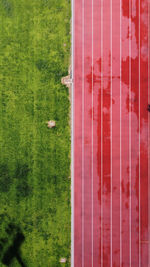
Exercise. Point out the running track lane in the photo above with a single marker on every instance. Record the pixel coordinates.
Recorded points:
(111, 91)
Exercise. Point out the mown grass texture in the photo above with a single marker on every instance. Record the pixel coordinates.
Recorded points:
(35, 160)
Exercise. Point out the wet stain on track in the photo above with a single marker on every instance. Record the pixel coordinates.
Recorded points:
(111, 90)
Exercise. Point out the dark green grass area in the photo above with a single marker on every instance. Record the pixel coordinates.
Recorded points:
(35, 160)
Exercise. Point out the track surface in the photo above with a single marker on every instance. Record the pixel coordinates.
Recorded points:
(111, 91)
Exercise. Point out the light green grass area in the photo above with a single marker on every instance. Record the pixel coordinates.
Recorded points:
(35, 160)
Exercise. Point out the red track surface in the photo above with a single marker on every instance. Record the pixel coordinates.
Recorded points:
(111, 133)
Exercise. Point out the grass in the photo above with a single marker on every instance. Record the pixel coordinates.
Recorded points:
(35, 160)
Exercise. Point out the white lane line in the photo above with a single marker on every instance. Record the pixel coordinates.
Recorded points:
(92, 133)
(139, 136)
(130, 110)
(101, 133)
(72, 138)
(111, 139)
(148, 137)
(82, 133)
(120, 134)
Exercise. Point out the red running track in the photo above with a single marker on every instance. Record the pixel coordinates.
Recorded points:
(111, 91)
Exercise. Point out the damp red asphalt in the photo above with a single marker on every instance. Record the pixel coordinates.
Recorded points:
(111, 135)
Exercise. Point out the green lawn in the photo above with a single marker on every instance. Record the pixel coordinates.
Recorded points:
(35, 160)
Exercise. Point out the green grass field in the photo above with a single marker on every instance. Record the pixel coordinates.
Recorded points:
(35, 160)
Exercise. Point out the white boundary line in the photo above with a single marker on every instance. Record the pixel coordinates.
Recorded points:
(82, 132)
(72, 137)
(120, 133)
(139, 137)
(130, 160)
(148, 136)
(101, 133)
(92, 133)
(111, 264)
